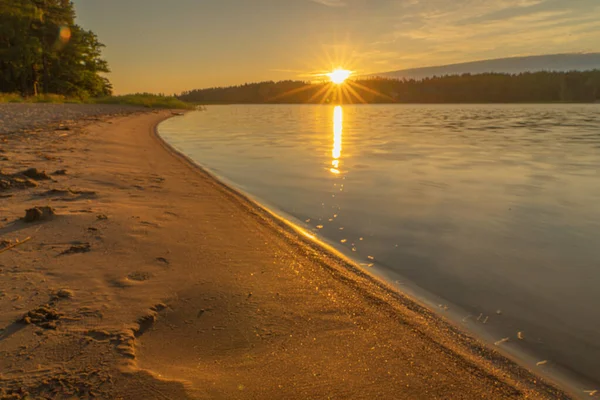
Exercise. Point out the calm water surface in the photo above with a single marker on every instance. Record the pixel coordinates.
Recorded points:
(492, 212)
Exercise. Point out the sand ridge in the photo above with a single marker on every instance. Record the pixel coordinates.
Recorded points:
(149, 279)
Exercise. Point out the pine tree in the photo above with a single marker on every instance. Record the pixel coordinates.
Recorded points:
(42, 50)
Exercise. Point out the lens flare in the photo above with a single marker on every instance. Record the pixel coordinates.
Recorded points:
(65, 34)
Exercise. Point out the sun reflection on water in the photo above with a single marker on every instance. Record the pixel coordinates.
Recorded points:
(338, 127)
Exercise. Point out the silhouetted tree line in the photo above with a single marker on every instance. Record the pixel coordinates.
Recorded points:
(42, 50)
(263, 92)
(530, 87)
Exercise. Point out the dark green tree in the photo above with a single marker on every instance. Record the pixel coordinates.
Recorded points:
(42, 50)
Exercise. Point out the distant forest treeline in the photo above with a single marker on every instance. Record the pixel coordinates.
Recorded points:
(43, 51)
(534, 87)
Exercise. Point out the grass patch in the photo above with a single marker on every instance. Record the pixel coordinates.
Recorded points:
(11, 98)
(146, 100)
(42, 98)
(140, 100)
(47, 98)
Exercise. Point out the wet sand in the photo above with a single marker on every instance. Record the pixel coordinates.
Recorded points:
(148, 279)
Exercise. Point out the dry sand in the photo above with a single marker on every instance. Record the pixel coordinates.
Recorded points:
(154, 281)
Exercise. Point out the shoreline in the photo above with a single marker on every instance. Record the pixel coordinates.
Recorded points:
(247, 302)
(416, 299)
(427, 302)
(301, 237)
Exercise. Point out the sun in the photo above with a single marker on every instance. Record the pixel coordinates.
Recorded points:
(339, 76)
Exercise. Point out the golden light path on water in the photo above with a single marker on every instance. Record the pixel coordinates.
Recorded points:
(338, 128)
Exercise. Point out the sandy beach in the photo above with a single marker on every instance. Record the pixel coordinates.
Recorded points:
(136, 275)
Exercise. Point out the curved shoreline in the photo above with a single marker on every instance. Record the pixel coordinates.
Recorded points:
(162, 282)
(373, 287)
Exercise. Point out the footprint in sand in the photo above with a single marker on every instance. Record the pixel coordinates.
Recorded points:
(77, 249)
(95, 234)
(157, 182)
(68, 194)
(53, 193)
(130, 280)
(100, 336)
(121, 283)
(152, 224)
(139, 276)
(162, 260)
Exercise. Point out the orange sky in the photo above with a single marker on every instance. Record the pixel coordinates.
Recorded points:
(171, 46)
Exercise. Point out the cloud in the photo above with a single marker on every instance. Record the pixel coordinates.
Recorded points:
(435, 32)
(330, 3)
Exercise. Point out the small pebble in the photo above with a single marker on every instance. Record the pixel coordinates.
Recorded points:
(65, 294)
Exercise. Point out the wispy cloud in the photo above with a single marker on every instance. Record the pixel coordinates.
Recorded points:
(331, 3)
(433, 33)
